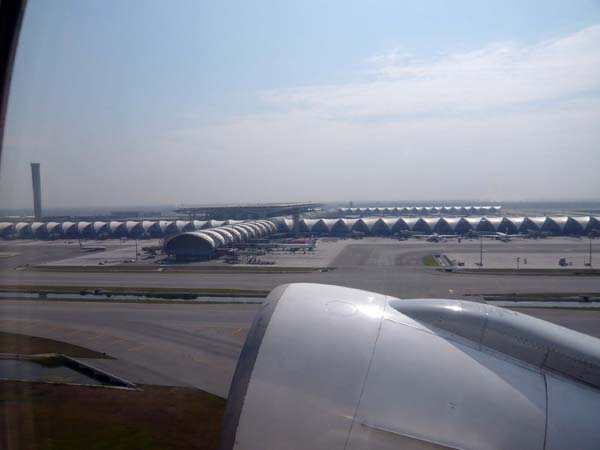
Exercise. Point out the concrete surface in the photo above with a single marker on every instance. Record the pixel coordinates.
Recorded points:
(532, 254)
(116, 252)
(198, 345)
(177, 345)
(376, 264)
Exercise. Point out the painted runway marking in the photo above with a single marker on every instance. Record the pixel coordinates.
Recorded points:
(73, 332)
(94, 337)
(238, 331)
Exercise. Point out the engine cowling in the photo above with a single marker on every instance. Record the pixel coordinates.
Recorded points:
(326, 367)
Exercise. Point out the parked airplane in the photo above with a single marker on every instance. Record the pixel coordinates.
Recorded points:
(534, 234)
(310, 244)
(91, 248)
(504, 237)
(152, 249)
(435, 237)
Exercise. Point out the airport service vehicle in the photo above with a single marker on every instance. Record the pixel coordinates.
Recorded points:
(562, 262)
(327, 367)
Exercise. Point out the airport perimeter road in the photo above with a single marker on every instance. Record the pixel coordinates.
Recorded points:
(170, 344)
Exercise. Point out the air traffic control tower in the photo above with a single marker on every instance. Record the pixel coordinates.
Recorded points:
(37, 190)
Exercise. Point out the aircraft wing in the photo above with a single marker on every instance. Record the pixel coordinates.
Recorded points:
(327, 367)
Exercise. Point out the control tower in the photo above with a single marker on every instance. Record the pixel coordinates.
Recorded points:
(37, 190)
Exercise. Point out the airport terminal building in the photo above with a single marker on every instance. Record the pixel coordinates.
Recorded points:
(447, 210)
(552, 225)
(204, 244)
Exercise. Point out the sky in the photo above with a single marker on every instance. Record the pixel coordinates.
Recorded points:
(150, 102)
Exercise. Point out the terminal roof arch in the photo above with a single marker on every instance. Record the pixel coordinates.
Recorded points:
(250, 231)
(237, 235)
(583, 222)
(200, 224)
(54, 228)
(495, 222)
(117, 227)
(452, 222)
(270, 225)
(258, 232)
(167, 226)
(227, 236)
(38, 229)
(84, 227)
(242, 231)
(150, 226)
(184, 225)
(191, 243)
(132, 226)
(518, 222)
(264, 230)
(23, 229)
(560, 221)
(539, 222)
(411, 222)
(340, 227)
(217, 238)
(6, 227)
(369, 222)
(100, 227)
(473, 222)
(69, 227)
(308, 224)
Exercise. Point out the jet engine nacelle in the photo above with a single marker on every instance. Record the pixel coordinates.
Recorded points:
(329, 368)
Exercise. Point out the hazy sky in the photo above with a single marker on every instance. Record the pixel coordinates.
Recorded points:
(153, 102)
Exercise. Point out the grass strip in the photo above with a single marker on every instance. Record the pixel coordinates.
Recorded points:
(144, 301)
(129, 268)
(572, 308)
(429, 260)
(68, 289)
(31, 345)
(40, 416)
(527, 272)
